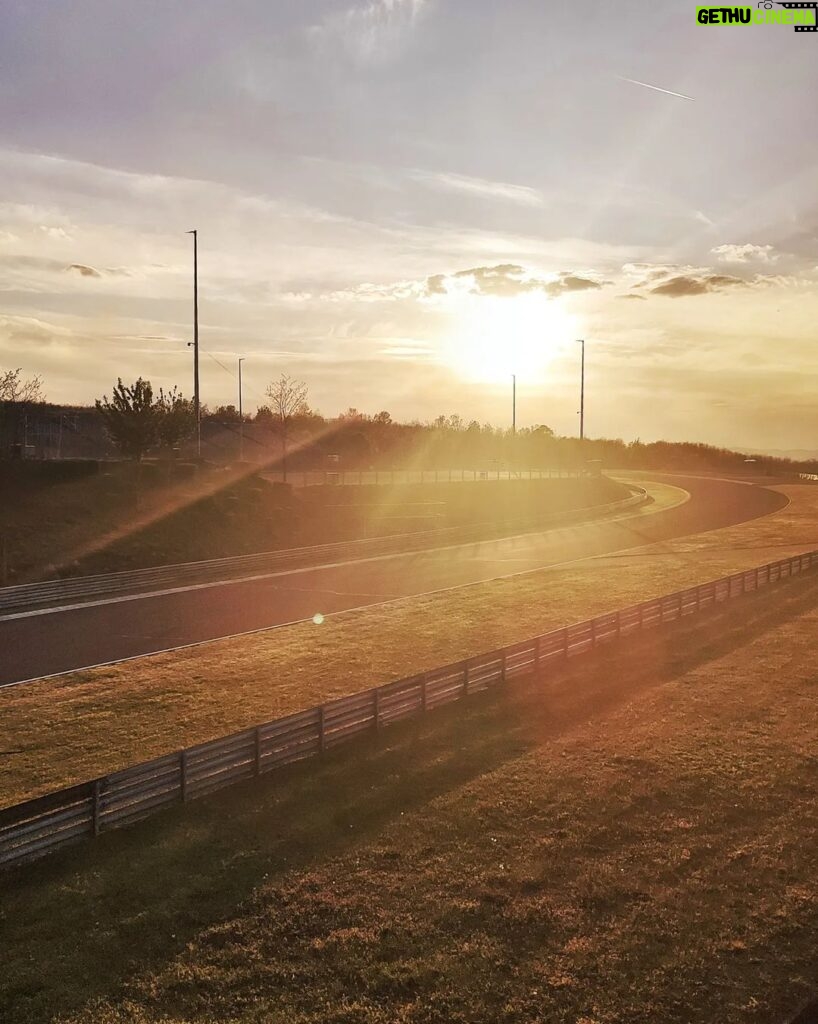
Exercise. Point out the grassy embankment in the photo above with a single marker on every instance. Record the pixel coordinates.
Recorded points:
(630, 841)
(85, 724)
(129, 517)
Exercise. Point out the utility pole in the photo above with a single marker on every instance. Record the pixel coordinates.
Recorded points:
(196, 404)
(241, 417)
(582, 393)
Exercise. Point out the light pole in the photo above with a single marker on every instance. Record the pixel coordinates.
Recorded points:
(513, 419)
(241, 417)
(581, 341)
(196, 406)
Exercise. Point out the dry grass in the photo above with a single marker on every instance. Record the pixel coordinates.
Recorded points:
(633, 841)
(85, 724)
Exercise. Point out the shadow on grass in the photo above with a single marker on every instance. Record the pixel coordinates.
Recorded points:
(78, 925)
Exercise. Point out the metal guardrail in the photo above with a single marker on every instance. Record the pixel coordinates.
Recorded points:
(38, 827)
(34, 595)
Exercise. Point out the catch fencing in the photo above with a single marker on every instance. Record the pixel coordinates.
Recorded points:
(215, 570)
(45, 824)
(368, 477)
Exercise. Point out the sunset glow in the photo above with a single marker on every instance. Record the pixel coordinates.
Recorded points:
(494, 337)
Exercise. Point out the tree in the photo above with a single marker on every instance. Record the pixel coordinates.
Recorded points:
(288, 399)
(226, 414)
(17, 396)
(14, 389)
(131, 418)
(176, 417)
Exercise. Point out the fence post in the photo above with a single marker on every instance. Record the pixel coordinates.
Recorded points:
(95, 806)
(183, 774)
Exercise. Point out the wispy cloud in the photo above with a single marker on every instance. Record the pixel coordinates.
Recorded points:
(479, 187)
(655, 88)
(369, 30)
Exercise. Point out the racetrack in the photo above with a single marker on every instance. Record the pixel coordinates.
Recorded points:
(59, 640)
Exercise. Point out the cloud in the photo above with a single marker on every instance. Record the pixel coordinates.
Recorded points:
(746, 253)
(52, 232)
(507, 280)
(368, 31)
(684, 285)
(27, 330)
(630, 295)
(570, 283)
(502, 190)
(83, 270)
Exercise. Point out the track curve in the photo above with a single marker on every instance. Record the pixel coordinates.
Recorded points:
(62, 640)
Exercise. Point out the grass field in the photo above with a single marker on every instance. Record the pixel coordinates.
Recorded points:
(128, 517)
(630, 841)
(82, 725)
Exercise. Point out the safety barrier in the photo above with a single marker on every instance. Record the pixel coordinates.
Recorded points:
(43, 825)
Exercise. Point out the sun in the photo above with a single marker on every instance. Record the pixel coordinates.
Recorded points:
(493, 337)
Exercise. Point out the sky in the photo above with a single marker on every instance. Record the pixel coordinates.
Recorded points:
(405, 202)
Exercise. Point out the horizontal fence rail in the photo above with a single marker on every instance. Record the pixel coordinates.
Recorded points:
(215, 570)
(45, 824)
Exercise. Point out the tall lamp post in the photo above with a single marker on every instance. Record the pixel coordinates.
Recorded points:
(513, 420)
(196, 405)
(581, 341)
(241, 417)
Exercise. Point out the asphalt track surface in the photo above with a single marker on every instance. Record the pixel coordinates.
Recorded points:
(60, 640)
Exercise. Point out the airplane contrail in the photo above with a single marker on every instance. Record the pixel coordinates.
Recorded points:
(647, 85)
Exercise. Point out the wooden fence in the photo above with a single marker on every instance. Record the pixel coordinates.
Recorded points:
(40, 826)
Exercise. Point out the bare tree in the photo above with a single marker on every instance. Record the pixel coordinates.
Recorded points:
(17, 396)
(288, 399)
(14, 389)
